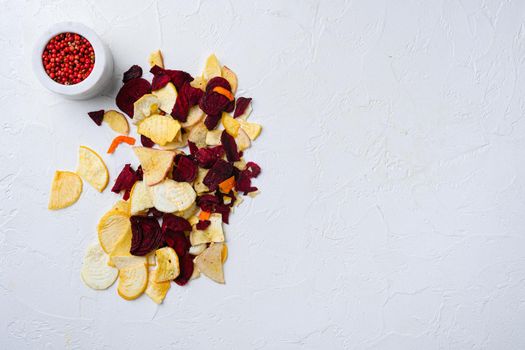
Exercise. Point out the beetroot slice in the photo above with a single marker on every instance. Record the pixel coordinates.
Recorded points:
(146, 235)
(187, 97)
(178, 241)
(244, 180)
(132, 73)
(213, 103)
(175, 223)
(185, 169)
(140, 173)
(146, 141)
(97, 116)
(206, 157)
(241, 106)
(230, 147)
(218, 81)
(230, 107)
(186, 269)
(211, 121)
(125, 181)
(130, 92)
(159, 81)
(219, 172)
(203, 224)
(193, 148)
(177, 77)
(157, 214)
(253, 169)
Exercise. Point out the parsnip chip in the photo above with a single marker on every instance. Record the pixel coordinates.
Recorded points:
(128, 261)
(157, 290)
(167, 96)
(140, 198)
(195, 115)
(230, 124)
(65, 190)
(116, 121)
(212, 68)
(96, 273)
(197, 134)
(92, 168)
(161, 129)
(170, 196)
(132, 282)
(155, 59)
(229, 75)
(111, 228)
(155, 163)
(167, 264)
(242, 140)
(198, 183)
(144, 107)
(253, 130)
(209, 262)
(212, 233)
(199, 83)
(213, 137)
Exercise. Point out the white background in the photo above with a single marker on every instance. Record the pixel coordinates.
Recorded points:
(392, 206)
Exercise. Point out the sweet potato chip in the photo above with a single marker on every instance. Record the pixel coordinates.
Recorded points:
(65, 190)
(130, 92)
(155, 163)
(92, 168)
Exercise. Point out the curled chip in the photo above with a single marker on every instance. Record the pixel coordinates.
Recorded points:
(130, 92)
(65, 190)
(167, 264)
(185, 169)
(144, 107)
(213, 233)
(167, 96)
(157, 291)
(132, 73)
(243, 108)
(116, 121)
(140, 198)
(186, 269)
(230, 124)
(230, 147)
(209, 262)
(92, 168)
(132, 282)
(161, 129)
(212, 68)
(95, 272)
(170, 196)
(111, 228)
(198, 184)
(155, 163)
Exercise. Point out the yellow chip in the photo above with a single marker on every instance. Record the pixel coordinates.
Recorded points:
(229, 75)
(188, 213)
(253, 130)
(157, 290)
(197, 134)
(150, 259)
(128, 261)
(140, 198)
(199, 83)
(167, 264)
(224, 253)
(144, 107)
(155, 59)
(132, 282)
(161, 129)
(170, 196)
(122, 207)
(65, 190)
(111, 228)
(212, 68)
(213, 137)
(96, 273)
(209, 262)
(213, 233)
(122, 248)
(116, 121)
(230, 124)
(195, 115)
(155, 163)
(180, 141)
(167, 96)
(92, 168)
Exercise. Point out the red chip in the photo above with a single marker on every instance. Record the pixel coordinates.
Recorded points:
(213, 103)
(177, 77)
(206, 157)
(178, 241)
(241, 106)
(230, 107)
(187, 97)
(219, 172)
(155, 213)
(175, 223)
(146, 235)
(97, 116)
(230, 147)
(186, 269)
(125, 181)
(211, 121)
(132, 73)
(146, 141)
(159, 81)
(218, 81)
(203, 224)
(244, 181)
(130, 92)
(185, 169)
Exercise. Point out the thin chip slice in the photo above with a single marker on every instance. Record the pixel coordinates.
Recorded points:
(144, 107)
(180, 141)
(161, 129)
(224, 253)
(155, 163)
(189, 212)
(230, 124)
(198, 183)
(209, 262)
(212, 68)
(92, 168)
(198, 249)
(121, 249)
(111, 228)
(65, 190)
(197, 135)
(140, 198)
(155, 59)
(167, 96)
(229, 75)
(132, 282)
(195, 115)
(242, 140)
(213, 137)
(116, 121)
(170, 196)
(96, 273)
(122, 207)
(128, 261)
(167, 264)
(213, 233)
(253, 130)
(157, 291)
(199, 83)
(150, 259)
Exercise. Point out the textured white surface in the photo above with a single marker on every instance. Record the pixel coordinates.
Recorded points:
(392, 211)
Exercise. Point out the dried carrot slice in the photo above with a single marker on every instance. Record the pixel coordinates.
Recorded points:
(204, 215)
(227, 185)
(224, 92)
(118, 140)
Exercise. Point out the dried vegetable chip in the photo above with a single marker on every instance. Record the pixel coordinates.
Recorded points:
(65, 190)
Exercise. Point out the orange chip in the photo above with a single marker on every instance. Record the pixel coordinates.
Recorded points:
(118, 140)
(224, 92)
(227, 185)
(204, 215)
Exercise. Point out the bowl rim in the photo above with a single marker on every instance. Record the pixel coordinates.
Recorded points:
(100, 58)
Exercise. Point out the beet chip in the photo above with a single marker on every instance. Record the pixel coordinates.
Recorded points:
(242, 105)
(230, 107)
(130, 92)
(140, 173)
(175, 223)
(186, 269)
(97, 116)
(187, 97)
(193, 148)
(230, 147)
(219, 172)
(146, 141)
(177, 77)
(132, 73)
(125, 181)
(146, 235)
(206, 157)
(253, 169)
(211, 121)
(178, 241)
(224, 210)
(203, 224)
(213, 103)
(244, 181)
(218, 81)
(185, 169)
(157, 214)
(159, 81)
